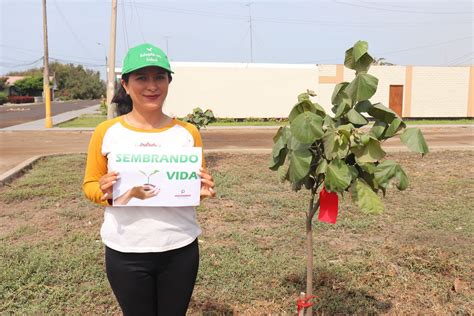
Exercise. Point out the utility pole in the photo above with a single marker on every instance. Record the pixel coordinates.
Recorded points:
(111, 62)
(48, 122)
(251, 32)
(167, 53)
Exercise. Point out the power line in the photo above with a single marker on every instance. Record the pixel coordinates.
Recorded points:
(457, 59)
(138, 21)
(333, 23)
(400, 10)
(125, 33)
(78, 40)
(424, 46)
(24, 64)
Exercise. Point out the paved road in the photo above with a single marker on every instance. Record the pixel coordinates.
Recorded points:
(17, 114)
(18, 146)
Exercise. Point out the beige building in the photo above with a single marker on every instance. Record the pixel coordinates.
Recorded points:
(271, 90)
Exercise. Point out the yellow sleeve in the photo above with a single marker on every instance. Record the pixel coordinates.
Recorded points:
(96, 166)
(196, 136)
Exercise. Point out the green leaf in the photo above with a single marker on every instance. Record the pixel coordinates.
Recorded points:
(382, 113)
(396, 125)
(362, 59)
(414, 140)
(349, 60)
(371, 152)
(363, 87)
(319, 110)
(363, 106)
(307, 127)
(303, 96)
(283, 172)
(356, 118)
(363, 64)
(300, 161)
(341, 109)
(336, 142)
(388, 170)
(367, 200)
(357, 58)
(304, 106)
(364, 138)
(360, 49)
(328, 121)
(279, 149)
(385, 171)
(354, 172)
(402, 179)
(329, 142)
(338, 176)
(378, 129)
(368, 167)
(338, 94)
(322, 166)
(294, 144)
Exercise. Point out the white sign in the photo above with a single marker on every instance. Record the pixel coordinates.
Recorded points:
(157, 176)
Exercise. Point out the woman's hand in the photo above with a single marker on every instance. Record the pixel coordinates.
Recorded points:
(144, 192)
(207, 184)
(141, 192)
(106, 183)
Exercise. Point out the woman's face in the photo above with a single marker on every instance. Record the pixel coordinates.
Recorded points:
(148, 88)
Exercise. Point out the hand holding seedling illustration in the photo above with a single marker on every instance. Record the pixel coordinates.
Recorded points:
(141, 192)
(148, 176)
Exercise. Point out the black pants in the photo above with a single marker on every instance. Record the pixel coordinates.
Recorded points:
(157, 283)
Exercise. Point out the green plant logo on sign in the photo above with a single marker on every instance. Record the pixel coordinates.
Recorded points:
(148, 176)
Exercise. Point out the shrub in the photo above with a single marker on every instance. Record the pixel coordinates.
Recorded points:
(20, 99)
(199, 118)
(3, 98)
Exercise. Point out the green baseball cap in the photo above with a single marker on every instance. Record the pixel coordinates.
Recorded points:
(145, 55)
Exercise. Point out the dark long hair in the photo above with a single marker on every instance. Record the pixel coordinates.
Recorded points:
(123, 100)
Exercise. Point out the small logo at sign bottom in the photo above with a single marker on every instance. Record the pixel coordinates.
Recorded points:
(182, 194)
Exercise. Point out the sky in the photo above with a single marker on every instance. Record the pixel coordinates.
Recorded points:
(417, 32)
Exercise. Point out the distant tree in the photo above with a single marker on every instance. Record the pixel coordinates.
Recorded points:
(29, 86)
(381, 62)
(73, 82)
(76, 82)
(3, 83)
(33, 72)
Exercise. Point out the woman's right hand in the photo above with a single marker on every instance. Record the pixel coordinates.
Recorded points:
(106, 183)
(141, 192)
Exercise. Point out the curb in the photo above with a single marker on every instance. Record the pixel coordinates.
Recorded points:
(7, 177)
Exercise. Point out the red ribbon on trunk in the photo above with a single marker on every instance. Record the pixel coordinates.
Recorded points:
(328, 206)
(304, 302)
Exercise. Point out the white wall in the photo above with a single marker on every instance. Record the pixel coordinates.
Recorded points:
(238, 90)
(271, 90)
(440, 91)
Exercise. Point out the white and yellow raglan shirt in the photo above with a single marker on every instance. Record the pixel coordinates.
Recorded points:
(132, 228)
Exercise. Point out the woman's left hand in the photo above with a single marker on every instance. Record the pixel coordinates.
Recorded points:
(207, 184)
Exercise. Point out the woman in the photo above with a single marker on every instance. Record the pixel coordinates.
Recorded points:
(151, 253)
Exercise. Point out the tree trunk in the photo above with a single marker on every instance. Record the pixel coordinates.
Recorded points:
(309, 261)
(309, 250)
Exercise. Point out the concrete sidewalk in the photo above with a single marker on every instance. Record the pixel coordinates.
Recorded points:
(38, 125)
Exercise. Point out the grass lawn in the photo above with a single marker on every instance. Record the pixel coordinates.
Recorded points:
(404, 261)
(92, 120)
(86, 120)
